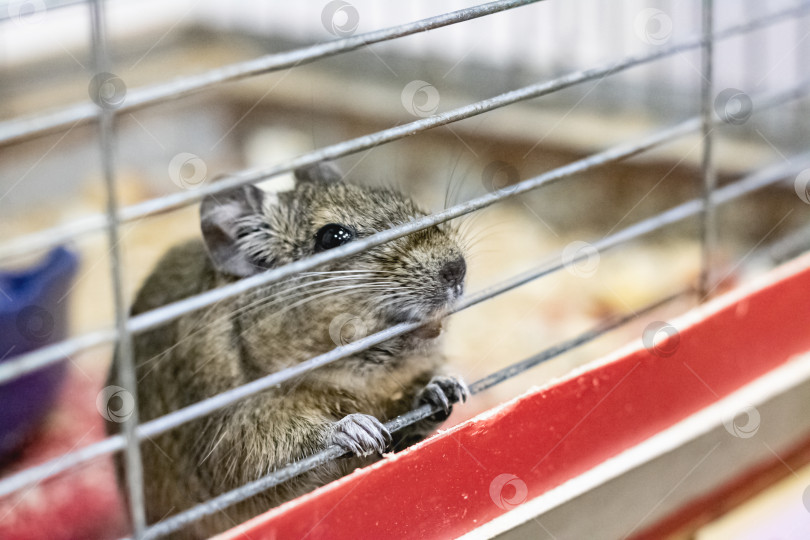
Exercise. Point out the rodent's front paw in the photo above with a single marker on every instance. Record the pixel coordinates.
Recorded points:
(443, 391)
(360, 434)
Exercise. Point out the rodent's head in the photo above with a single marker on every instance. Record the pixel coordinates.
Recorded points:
(247, 231)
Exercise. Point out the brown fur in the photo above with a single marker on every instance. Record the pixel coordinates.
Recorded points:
(238, 340)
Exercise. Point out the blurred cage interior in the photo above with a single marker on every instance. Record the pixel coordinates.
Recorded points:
(47, 181)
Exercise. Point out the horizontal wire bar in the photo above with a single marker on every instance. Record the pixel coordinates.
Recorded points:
(24, 128)
(56, 235)
(517, 368)
(68, 348)
(333, 452)
(29, 362)
(721, 196)
(47, 355)
(159, 425)
(151, 319)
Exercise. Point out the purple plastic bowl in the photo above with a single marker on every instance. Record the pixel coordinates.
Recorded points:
(33, 313)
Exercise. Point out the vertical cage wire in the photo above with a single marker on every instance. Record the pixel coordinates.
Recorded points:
(693, 208)
(709, 177)
(114, 443)
(167, 203)
(703, 208)
(125, 360)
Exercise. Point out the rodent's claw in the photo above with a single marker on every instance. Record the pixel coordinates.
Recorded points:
(443, 391)
(462, 391)
(360, 434)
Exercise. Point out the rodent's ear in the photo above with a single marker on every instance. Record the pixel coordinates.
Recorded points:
(325, 171)
(222, 220)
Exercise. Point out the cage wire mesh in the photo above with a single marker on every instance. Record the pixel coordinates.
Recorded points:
(669, 70)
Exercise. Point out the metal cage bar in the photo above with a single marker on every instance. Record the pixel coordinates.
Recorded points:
(150, 429)
(683, 211)
(24, 128)
(162, 424)
(695, 207)
(73, 115)
(709, 177)
(126, 361)
(52, 353)
(241, 493)
(56, 235)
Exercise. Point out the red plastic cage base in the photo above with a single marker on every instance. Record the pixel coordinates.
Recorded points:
(441, 487)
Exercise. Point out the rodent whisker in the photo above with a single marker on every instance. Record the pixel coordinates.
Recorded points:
(281, 296)
(266, 302)
(238, 339)
(326, 272)
(472, 244)
(329, 291)
(354, 273)
(257, 303)
(468, 224)
(306, 284)
(449, 188)
(468, 221)
(287, 291)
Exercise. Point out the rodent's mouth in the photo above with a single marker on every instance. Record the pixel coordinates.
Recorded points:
(433, 319)
(430, 330)
(430, 308)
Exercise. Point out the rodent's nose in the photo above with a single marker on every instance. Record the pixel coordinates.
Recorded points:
(453, 272)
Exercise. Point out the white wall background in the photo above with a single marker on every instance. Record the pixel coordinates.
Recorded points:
(549, 37)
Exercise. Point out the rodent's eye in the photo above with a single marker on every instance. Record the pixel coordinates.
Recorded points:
(331, 236)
